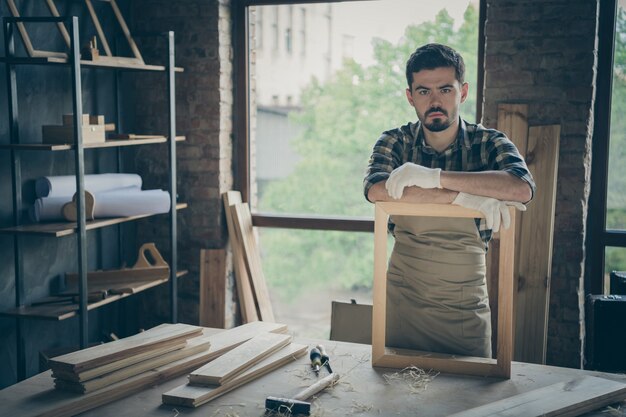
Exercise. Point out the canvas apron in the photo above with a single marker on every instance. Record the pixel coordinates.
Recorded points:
(436, 291)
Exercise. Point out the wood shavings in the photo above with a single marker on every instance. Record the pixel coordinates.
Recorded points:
(618, 411)
(360, 408)
(415, 378)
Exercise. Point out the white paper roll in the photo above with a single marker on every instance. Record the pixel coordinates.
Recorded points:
(125, 202)
(65, 185)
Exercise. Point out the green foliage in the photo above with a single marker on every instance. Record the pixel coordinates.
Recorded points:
(341, 120)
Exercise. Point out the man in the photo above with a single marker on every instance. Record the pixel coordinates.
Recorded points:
(436, 291)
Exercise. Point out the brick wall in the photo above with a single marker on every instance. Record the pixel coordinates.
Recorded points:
(204, 98)
(542, 53)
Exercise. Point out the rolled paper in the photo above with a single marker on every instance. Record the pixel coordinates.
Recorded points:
(65, 185)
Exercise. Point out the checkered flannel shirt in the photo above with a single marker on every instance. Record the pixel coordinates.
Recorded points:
(475, 149)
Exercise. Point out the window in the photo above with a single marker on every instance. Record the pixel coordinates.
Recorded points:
(606, 237)
(301, 160)
(289, 31)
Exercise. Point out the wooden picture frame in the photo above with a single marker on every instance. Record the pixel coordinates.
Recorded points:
(396, 358)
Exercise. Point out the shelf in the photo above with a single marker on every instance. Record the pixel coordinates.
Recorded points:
(68, 228)
(62, 311)
(85, 63)
(112, 143)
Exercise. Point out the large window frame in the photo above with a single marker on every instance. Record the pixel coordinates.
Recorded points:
(598, 237)
(241, 126)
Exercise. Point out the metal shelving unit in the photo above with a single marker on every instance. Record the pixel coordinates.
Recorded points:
(81, 226)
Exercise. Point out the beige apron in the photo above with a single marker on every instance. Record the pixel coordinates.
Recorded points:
(436, 292)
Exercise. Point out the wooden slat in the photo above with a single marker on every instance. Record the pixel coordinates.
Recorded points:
(244, 290)
(193, 346)
(239, 359)
(109, 352)
(194, 396)
(513, 122)
(44, 401)
(109, 143)
(245, 235)
(569, 398)
(114, 366)
(212, 288)
(534, 256)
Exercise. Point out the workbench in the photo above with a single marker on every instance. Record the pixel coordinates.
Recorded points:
(362, 390)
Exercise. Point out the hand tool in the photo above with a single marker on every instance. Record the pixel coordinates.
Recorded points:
(325, 358)
(316, 360)
(297, 404)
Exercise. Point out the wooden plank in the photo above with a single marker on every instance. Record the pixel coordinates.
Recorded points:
(513, 122)
(568, 398)
(114, 366)
(194, 396)
(42, 400)
(534, 257)
(96, 22)
(245, 235)
(239, 359)
(212, 288)
(129, 38)
(192, 347)
(244, 290)
(109, 352)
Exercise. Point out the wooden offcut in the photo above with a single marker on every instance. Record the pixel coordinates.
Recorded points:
(194, 396)
(212, 309)
(564, 399)
(239, 359)
(247, 305)
(400, 359)
(60, 134)
(245, 235)
(110, 352)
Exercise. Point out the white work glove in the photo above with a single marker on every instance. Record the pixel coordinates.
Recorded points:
(493, 209)
(412, 174)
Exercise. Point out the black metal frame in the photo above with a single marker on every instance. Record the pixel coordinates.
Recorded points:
(598, 238)
(241, 129)
(11, 61)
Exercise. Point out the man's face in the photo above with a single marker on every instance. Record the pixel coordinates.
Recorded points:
(436, 96)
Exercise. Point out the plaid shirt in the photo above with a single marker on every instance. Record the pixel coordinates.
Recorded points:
(475, 149)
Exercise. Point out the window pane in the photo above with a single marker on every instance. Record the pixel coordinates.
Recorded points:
(616, 189)
(320, 102)
(615, 260)
(307, 269)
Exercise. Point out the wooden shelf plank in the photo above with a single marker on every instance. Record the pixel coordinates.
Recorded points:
(58, 312)
(86, 63)
(68, 228)
(111, 143)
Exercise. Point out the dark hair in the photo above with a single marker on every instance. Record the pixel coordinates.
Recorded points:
(434, 55)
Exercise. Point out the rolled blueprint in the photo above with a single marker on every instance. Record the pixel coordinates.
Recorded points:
(124, 202)
(65, 185)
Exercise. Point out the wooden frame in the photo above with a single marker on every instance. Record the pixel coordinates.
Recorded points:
(401, 358)
(28, 45)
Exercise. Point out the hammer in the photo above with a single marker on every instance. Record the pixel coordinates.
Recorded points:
(297, 404)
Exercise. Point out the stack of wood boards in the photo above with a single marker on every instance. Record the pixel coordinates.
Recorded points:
(99, 366)
(254, 300)
(252, 359)
(46, 401)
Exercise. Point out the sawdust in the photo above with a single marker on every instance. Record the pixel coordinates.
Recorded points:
(415, 378)
(360, 408)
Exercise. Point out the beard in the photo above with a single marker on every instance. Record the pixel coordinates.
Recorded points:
(437, 124)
